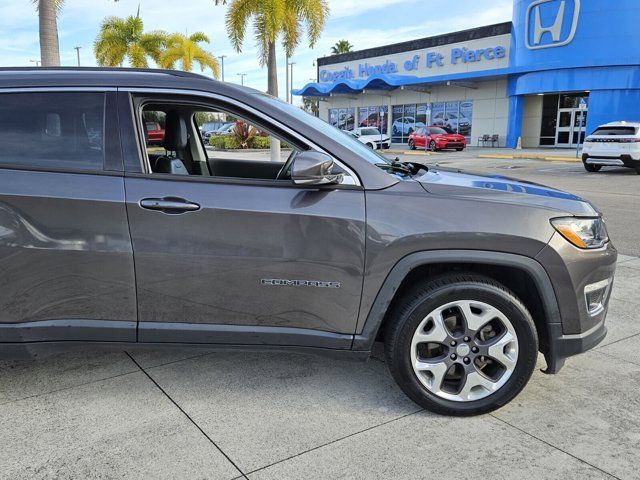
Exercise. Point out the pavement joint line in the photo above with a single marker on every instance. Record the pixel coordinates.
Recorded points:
(555, 447)
(614, 342)
(179, 360)
(336, 441)
(71, 387)
(188, 417)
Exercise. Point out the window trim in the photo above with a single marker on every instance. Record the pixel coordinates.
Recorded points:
(53, 169)
(133, 91)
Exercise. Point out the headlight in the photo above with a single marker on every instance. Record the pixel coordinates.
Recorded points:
(582, 232)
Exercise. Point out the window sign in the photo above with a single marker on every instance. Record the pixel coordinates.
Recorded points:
(397, 118)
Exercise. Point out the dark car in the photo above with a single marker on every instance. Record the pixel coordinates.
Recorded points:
(105, 243)
(435, 139)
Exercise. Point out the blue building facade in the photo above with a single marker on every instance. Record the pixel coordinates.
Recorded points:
(554, 55)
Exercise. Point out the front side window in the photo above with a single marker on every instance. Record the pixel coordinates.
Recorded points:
(52, 130)
(182, 139)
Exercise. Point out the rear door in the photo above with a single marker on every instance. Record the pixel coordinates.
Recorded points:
(65, 250)
(247, 260)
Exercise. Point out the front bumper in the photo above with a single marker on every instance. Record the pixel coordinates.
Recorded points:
(571, 271)
(445, 145)
(563, 346)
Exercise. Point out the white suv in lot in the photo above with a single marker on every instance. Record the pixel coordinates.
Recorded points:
(615, 144)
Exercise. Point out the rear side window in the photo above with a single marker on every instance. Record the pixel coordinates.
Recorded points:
(615, 131)
(60, 130)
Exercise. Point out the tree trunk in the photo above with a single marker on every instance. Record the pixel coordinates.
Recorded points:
(272, 89)
(49, 48)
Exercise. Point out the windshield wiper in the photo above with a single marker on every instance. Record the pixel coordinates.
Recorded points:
(404, 167)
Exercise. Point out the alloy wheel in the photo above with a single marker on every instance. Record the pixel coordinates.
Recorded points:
(464, 351)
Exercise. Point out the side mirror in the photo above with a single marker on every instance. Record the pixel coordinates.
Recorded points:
(314, 168)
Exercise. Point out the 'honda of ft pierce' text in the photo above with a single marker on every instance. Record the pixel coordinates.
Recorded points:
(108, 239)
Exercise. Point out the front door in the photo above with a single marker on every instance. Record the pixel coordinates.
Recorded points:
(231, 254)
(568, 127)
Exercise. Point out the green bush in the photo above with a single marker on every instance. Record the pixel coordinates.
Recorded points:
(261, 142)
(223, 142)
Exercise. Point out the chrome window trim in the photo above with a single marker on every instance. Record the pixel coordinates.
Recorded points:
(253, 111)
(56, 89)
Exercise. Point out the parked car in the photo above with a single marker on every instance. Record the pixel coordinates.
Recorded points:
(436, 138)
(209, 128)
(155, 133)
(405, 126)
(615, 144)
(465, 278)
(225, 129)
(451, 121)
(372, 137)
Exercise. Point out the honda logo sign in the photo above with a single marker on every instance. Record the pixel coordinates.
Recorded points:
(556, 32)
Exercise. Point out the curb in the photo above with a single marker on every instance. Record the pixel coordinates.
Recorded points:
(531, 157)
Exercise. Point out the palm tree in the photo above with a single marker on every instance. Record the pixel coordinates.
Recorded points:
(124, 38)
(341, 46)
(273, 19)
(186, 51)
(48, 25)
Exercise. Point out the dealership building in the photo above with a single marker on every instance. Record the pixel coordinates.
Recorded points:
(531, 79)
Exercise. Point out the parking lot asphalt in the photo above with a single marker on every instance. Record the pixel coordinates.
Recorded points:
(193, 413)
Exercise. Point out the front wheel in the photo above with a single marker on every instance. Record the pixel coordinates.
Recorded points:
(461, 345)
(412, 146)
(432, 146)
(589, 167)
(459, 149)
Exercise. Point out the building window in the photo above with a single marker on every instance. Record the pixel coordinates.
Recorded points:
(454, 117)
(375, 117)
(342, 118)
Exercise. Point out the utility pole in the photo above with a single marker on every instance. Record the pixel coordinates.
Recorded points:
(290, 64)
(222, 57)
(287, 75)
(242, 75)
(77, 49)
(37, 62)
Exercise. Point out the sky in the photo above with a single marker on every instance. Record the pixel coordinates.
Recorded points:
(365, 23)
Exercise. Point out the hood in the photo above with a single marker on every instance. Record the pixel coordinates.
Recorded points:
(497, 188)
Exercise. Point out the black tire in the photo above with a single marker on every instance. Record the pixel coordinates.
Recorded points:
(459, 149)
(592, 168)
(432, 146)
(370, 145)
(412, 146)
(409, 312)
(638, 170)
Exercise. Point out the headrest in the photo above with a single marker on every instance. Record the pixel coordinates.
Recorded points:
(175, 132)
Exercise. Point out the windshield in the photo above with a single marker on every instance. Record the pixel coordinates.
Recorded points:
(438, 131)
(323, 127)
(615, 131)
(370, 131)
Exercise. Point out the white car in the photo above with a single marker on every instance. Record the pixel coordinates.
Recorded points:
(372, 137)
(615, 144)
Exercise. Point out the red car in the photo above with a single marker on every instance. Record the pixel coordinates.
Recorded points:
(155, 133)
(436, 138)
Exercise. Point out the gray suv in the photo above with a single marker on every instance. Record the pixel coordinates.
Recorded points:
(323, 245)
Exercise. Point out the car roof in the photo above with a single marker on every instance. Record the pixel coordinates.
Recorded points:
(16, 77)
(621, 124)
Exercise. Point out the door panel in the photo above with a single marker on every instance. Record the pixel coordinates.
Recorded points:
(229, 262)
(65, 253)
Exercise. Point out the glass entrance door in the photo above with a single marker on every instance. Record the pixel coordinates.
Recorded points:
(568, 127)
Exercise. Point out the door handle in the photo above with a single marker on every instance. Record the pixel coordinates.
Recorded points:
(173, 205)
